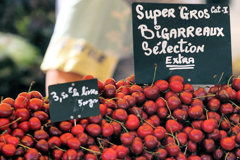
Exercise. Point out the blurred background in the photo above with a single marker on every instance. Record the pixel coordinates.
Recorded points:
(26, 27)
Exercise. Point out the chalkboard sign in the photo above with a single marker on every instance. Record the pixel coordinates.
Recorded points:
(193, 41)
(74, 100)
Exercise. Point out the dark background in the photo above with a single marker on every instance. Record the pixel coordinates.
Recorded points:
(34, 21)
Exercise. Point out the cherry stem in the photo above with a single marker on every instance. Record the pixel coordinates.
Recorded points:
(174, 137)
(219, 123)
(95, 152)
(220, 79)
(11, 122)
(45, 98)
(154, 75)
(185, 151)
(138, 115)
(30, 87)
(226, 156)
(1, 98)
(32, 137)
(123, 86)
(169, 110)
(206, 112)
(24, 146)
(119, 123)
(59, 148)
(45, 125)
(209, 95)
(100, 144)
(228, 83)
(234, 104)
(4, 132)
(105, 141)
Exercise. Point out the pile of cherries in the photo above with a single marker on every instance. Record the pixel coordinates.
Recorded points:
(165, 120)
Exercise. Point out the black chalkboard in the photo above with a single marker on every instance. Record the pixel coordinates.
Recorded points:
(193, 41)
(73, 100)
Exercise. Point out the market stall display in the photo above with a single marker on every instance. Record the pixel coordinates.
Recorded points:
(163, 120)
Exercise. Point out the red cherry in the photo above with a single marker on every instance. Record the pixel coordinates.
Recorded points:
(151, 141)
(27, 141)
(137, 146)
(150, 107)
(182, 138)
(162, 85)
(139, 97)
(107, 130)
(34, 123)
(236, 84)
(42, 145)
(35, 94)
(238, 96)
(226, 108)
(35, 104)
(86, 77)
(176, 86)
(93, 129)
(135, 88)
(188, 87)
(173, 149)
(18, 133)
(209, 125)
(195, 112)
(65, 126)
(9, 101)
(70, 154)
(12, 140)
(109, 154)
(159, 132)
(5, 110)
(209, 145)
(176, 78)
(186, 97)
(41, 134)
(172, 126)
(214, 104)
(42, 116)
(110, 81)
(109, 90)
(73, 143)
(103, 109)
(8, 150)
(126, 139)
(161, 153)
(122, 151)
(227, 143)
(151, 92)
(192, 146)
(4, 122)
(24, 126)
(78, 129)
(65, 137)
(144, 130)
(132, 122)
(23, 113)
(194, 157)
(120, 115)
(56, 141)
(196, 135)
(21, 102)
(100, 85)
(173, 102)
